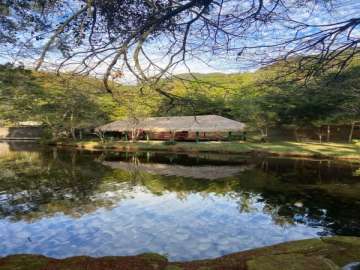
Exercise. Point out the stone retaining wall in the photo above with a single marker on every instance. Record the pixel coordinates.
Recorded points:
(20, 133)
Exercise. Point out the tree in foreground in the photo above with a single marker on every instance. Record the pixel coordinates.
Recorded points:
(150, 38)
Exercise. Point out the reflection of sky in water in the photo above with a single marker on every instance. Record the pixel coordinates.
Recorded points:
(184, 229)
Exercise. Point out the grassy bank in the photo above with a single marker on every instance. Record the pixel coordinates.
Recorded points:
(290, 149)
(313, 254)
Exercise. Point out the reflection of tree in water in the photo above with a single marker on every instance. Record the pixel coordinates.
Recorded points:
(333, 205)
(34, 185)
(314, 193)
(245, 200)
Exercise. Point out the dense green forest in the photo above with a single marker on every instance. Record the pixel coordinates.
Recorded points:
(268, 97)
(274, 97)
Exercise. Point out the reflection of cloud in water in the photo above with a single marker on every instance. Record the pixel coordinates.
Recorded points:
(195, 228)
(78, 206)
(196, 172)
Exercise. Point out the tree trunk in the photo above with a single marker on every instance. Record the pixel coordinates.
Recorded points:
(72, 129)
(263, 134)
(172, 136)
(132, 135)
(328, 133)
(351, 132)
(296, 134)
(101, 135)
(266, 134)
(55, 153)
(73, 135)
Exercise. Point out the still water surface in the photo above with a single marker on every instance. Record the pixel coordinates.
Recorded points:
(63, 203)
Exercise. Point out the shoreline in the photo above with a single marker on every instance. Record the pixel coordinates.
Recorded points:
(333, 151)
(315, 254)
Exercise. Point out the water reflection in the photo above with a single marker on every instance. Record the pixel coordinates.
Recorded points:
(64, 203)
(208, 172)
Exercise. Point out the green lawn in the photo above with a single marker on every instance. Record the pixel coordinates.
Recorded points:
(293, 149)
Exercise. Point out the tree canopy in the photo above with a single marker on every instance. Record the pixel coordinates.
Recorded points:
(150, 38)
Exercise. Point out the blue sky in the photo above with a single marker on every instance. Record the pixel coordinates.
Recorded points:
(315, 15)
(228, 62)
(336, 11)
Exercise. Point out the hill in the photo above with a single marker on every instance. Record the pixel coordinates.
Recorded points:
(267, 97)
(274, 96)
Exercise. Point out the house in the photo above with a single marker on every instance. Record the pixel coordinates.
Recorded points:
(202, 127)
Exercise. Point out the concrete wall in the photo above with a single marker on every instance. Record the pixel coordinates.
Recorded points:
(18, 133)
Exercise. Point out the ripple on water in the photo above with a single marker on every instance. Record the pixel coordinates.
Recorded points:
(126, 213)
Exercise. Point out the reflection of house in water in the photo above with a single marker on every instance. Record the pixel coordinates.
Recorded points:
(197, 172)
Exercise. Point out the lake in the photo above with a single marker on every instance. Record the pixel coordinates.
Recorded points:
(62, 203)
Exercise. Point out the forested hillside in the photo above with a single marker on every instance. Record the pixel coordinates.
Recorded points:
(273, 96)
(60, 104)
(265, 98)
